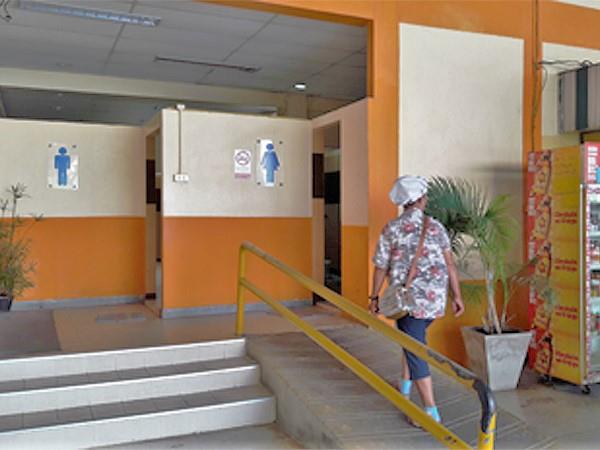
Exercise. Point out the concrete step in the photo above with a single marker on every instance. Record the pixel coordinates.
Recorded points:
(72, 391)
(61, 365)
(137, 420)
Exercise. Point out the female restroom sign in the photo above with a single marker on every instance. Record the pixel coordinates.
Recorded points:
(269, 164)
(63, 167)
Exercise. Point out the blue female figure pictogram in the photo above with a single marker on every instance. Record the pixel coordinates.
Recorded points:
(270, 163)
(62, 163)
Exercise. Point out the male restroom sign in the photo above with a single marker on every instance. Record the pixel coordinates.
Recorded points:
(269, 164)
(63, 167)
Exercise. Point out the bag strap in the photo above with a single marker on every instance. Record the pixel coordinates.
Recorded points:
(413, 266)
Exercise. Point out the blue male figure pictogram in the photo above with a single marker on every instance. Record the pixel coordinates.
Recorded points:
(270, 163)
(62, 163)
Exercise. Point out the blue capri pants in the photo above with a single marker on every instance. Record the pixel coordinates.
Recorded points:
(417, 329)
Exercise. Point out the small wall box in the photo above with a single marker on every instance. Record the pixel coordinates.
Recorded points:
(181, 178)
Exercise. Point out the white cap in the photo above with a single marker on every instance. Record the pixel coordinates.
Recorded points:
(408, 189)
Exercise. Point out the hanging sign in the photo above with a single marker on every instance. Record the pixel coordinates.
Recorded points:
(63, 167)
(242, 163)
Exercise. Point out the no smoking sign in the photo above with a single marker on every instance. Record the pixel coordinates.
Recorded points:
(242, 160)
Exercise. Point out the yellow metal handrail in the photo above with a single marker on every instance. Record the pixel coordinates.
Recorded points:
(444, 435)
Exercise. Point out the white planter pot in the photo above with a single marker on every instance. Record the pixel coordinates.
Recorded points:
(497, 359)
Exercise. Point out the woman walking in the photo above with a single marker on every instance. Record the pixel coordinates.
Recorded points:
(435, 266)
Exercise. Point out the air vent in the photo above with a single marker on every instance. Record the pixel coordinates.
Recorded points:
(579, 99)
(211, 64)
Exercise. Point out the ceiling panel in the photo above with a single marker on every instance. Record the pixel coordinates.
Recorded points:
(58, 38)
(338, 87)
(240, 79)
(48, 62)
(292, 51)
(310, 37)
(329, 57)
(344, 73)
(171, 50)
(291, 65)
(355, 60)
(322, 25)
(191, 74)
(209, 9)
(202, 22)
(13, 51)
(183, 38)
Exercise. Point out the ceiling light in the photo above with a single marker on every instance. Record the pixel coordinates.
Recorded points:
(90, 13)
(300, 86)
(211, 64)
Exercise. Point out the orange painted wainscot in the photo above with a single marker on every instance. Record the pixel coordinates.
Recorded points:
(86, 257)
(200, 258)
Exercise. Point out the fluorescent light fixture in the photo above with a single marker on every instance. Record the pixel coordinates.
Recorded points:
(211, 64)
(300, 86)
(90, 13)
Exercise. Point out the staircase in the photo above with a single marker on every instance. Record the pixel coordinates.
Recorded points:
(106, 398)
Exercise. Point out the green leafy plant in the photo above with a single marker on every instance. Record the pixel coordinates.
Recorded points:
(15, 269)
(483, 229)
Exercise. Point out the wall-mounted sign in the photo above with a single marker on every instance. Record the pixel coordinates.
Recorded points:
(242, 163)
(269, 164)
(63, 167)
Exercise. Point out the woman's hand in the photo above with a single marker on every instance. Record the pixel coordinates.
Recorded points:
(458, 306)
(374, 306)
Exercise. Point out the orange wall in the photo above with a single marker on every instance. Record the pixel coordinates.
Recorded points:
(355, 263)
(508, 18)
(87, 257)
(200, 257)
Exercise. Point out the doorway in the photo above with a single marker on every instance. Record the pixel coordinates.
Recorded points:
(153, 223)
(327, 227)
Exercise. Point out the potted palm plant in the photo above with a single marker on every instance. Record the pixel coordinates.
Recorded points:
(482, 232)
(15, 269)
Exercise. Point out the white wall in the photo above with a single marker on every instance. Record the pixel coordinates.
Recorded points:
(209, 140)
(595, 4)
(549, 107)
(353, 160)
(111, 167)
(461, 97)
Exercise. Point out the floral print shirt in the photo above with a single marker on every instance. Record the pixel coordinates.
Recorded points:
(395, 251)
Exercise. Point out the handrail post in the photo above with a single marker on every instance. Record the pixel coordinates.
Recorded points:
(239, 324)
(485, 440)
(487, 431)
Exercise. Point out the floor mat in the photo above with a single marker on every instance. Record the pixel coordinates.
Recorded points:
(26, 333)
(120, 317)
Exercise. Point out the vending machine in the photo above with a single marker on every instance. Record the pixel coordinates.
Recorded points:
(563, 230)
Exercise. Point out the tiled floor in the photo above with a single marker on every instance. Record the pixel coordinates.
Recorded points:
(560, 412)
(27, 333)
(80, 330)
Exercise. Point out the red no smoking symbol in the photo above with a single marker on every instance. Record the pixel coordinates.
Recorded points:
(243, 158)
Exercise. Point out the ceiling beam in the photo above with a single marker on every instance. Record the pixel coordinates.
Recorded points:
(130, 87)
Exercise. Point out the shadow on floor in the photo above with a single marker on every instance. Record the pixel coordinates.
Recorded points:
(25, 333)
